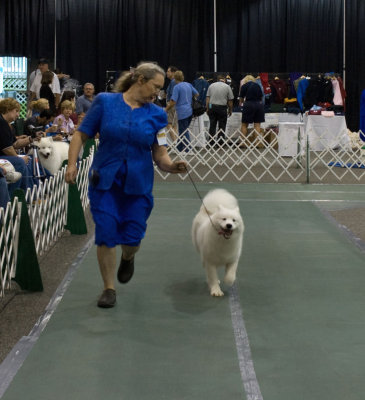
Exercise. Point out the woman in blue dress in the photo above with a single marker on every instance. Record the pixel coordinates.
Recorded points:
(132, 136)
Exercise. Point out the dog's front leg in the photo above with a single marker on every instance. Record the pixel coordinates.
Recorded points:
(213, 281)
(230, 275)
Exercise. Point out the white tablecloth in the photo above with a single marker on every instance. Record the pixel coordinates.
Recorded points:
(197, 127)
(326, 132)
(233, 127)
(291, 140)
(234, 122)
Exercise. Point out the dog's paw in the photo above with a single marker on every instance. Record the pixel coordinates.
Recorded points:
(229, 279)
(216, 291)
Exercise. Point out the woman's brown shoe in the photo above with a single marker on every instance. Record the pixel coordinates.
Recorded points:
(107, 299)
(126, 270)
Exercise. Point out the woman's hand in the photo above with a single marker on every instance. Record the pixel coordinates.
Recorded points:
(73, 151)
(164, 162)
(177, 167)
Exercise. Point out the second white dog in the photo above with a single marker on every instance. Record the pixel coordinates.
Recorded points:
(52, 153)
(217, 234)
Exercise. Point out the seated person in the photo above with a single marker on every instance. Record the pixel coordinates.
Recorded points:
(64, 123)
(69, 95)
(83, 103)
(37, 106)
(9, 112)
(36, 126)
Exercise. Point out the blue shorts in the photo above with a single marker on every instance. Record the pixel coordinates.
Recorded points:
(253, 111)
(119, 218)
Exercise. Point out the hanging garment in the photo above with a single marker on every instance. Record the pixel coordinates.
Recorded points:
(279, 89)
(296, 83)
(343, 92)
(293, 76)
(312, 94)
(302, 87)
(326, 91)
(337, 96)
(264, 77)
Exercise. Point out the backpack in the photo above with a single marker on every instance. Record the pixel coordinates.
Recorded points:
(198, 107)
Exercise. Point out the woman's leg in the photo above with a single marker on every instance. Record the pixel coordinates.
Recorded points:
(244, 130)
(257, 127)
(107, 264)
(128, 252)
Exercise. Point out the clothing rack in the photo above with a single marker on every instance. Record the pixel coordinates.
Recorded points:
(238, 76)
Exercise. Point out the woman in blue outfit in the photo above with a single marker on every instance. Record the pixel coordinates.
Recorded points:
(132, 136)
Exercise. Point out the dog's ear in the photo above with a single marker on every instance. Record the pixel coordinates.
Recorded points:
(237, 209)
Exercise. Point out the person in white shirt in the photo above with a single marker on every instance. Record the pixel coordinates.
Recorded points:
(36, 84)
(219, 102)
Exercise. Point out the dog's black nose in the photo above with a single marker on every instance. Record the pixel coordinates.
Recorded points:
(228, 226)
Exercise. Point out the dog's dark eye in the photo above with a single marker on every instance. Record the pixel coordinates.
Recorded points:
(233, 220)
(224, 219)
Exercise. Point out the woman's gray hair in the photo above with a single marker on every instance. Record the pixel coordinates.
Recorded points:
(146, 69)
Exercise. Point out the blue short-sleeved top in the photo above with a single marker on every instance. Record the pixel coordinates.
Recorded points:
(182, 94)
(126, 135)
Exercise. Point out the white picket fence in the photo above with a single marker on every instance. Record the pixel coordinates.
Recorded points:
(289, 155)
(10, 222)
(47, 209)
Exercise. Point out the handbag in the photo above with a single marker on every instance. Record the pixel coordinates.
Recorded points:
(198, 107)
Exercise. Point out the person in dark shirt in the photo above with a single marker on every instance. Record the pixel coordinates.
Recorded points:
(253, 108)
(38, 121)
(45, 91)
(9, 112)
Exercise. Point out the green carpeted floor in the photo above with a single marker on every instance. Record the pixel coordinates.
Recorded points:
(300, 283)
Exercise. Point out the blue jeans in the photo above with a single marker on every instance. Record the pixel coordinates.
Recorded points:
(183, 124)
(26, 170)
(4, 193)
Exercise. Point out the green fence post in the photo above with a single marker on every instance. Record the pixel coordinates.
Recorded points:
(28, 274)
(76, 223)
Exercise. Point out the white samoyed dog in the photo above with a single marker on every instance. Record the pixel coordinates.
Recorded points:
(52, 153)
(217, 234)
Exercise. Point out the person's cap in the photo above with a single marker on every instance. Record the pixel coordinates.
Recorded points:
(43, 61)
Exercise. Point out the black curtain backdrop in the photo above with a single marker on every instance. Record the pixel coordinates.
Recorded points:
(355, 59)
(280, 36)
(94, 36)
(26, 27)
